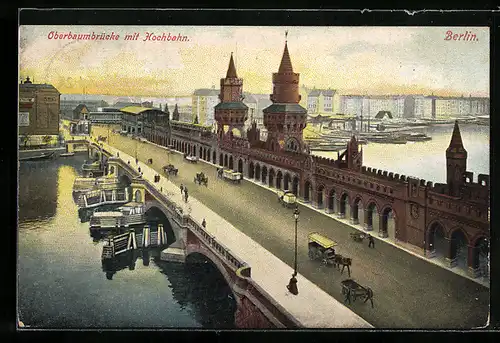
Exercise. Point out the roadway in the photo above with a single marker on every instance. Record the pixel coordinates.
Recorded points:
(408, 291)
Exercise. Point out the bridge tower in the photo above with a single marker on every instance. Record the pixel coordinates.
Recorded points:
(456, 163)
(231, 112)
(285, 119)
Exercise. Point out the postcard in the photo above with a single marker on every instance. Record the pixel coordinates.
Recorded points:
(258, 177)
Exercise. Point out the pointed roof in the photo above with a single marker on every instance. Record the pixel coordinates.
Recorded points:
(286, 63)
(231, 70)
(456, 145)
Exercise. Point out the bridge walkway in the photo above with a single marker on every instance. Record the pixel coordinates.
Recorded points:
(313, 307)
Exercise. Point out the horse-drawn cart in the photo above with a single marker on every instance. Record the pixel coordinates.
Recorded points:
(321, 247)
(358, 236)
(287, 198)
(170, 169)
(353, 290)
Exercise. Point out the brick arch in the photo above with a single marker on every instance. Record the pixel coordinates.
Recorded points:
(385, 207)
(456, 228)
(370, 201)
(357, 197)
(308, 189)
(473, 240)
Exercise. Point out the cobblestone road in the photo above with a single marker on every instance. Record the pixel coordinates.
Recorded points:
(408, 292)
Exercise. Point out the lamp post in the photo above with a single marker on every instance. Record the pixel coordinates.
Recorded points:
(292, 285)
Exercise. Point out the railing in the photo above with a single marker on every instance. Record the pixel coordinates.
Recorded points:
(186, 220)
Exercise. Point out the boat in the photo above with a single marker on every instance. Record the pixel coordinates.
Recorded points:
(42, 156)
(67, 154)
(125, 216)
(418, 137)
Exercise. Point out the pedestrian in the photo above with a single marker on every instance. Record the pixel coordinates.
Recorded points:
(139, 169)
(371, 242)
(136, 161)
(128, 162)
(182, 188)
(161, 189)
(117, 154)
(204, 223)
(186, 194)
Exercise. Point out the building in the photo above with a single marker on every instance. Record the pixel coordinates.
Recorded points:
(323, 101)
(252, 103)
(203, 103)
(106, 115)
(80, 112)
(68, 105)
(39, 113)
(134, 118)
(446, 107)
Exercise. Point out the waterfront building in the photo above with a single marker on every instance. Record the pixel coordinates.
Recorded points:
(323, 101)
(69, 103)
(39, 113)
(203, 103)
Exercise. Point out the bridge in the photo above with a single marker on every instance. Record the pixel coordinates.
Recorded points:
(257, 281)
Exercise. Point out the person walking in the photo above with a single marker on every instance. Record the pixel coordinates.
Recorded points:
(182, 188)
(186, 194)
(371, 242)
(204, 223)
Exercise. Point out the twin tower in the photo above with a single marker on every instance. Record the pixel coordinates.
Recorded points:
(284, 120)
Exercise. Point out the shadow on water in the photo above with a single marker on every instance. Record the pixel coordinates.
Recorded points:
(198, 284)
(63, 282)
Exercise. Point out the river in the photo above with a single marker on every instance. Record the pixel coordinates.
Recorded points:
(427, 160)
(61, 282)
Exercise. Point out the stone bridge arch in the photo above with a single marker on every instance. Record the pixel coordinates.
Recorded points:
(172, 230)
(228, 275)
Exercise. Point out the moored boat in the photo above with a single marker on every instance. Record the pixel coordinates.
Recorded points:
(42, 156)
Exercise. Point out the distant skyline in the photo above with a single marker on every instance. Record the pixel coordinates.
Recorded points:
(352, 60)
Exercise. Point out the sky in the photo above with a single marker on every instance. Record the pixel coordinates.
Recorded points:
(353, 60)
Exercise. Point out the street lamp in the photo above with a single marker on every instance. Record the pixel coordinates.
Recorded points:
(292, 285)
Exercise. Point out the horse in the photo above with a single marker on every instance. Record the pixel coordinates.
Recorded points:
(344, 261)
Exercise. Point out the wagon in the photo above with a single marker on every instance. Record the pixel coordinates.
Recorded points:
(231, 175)
(357, 236)
(192, 159)
(321, 248)
(353, 290)
(170, 169)
(287, 198)
(200, 178)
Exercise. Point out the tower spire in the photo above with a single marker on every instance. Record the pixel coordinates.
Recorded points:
(231, 70)
(286, 63)
(456, 144)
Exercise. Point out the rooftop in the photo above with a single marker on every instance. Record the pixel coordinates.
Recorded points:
(137, 109)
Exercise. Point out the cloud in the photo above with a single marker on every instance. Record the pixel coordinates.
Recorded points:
(345, 58)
